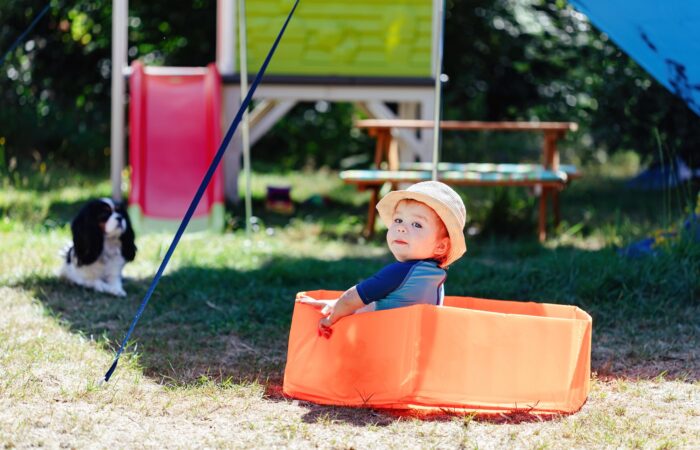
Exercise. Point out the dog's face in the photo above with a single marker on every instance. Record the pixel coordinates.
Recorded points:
(99, 220)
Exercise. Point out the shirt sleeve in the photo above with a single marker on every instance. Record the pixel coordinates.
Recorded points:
(379, 285)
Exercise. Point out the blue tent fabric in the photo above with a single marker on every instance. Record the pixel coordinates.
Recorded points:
(662, 36)
(663, 176)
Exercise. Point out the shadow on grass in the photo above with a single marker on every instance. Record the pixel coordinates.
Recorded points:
(215, 322)
(383, 417)
(222, 323)
(337, 220)
(358, 416)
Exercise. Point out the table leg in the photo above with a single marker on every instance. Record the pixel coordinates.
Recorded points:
(381, 147)
(550, 160)
(542, 225)
(371, 213)
(392, 153)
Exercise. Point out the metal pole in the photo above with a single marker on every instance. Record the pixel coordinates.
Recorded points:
(120, 17)
(244, 125)
(438, 89)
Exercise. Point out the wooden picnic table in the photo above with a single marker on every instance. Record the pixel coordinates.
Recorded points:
(386, 149)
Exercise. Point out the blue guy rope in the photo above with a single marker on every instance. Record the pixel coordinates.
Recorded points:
(26, 32)
(202, 187)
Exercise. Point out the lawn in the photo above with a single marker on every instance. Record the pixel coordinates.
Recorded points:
(205, 364)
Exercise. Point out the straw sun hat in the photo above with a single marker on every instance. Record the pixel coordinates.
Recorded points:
(446, 203)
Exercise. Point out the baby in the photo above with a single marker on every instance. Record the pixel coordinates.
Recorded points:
(425, 234)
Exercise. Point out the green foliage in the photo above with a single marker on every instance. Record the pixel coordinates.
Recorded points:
(50, 95)
(539, 59)
(506, 59)
(55, 88)
(512, 213)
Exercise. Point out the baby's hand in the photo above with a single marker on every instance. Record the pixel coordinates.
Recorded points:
(326, 306)
(324, 327)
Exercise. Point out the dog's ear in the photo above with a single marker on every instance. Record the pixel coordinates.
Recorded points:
(127, 238)
(88, 240)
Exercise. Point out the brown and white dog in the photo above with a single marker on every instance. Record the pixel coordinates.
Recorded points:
(103, 242)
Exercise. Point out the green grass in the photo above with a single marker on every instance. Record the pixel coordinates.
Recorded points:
(209, 351)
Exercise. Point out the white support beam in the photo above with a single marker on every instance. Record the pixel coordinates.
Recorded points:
(260, 110)
(226, 36)
(409, 110)
(427, 112)
(435, 35)
(120, 18)
(226, 53)
(407, 140)
(231, 163)
(261, 121)
(339, 93)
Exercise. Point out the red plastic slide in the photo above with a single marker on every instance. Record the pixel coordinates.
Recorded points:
(175, 131)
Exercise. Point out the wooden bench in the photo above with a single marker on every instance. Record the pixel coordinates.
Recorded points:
(550, 176)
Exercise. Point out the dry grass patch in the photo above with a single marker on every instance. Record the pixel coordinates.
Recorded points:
(49, 397)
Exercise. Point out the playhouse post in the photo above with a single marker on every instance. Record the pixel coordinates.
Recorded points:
(120, 17)
(226, 16)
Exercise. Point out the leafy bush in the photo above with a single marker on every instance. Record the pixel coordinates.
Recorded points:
(505, 59)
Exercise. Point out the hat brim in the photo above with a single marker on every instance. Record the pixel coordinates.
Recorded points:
(458, 245)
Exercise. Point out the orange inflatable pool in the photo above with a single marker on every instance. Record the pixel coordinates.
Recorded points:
(471, 354)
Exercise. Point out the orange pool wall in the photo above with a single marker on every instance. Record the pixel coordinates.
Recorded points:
(471, 354)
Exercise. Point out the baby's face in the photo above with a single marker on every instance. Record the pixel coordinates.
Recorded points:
(416, 232)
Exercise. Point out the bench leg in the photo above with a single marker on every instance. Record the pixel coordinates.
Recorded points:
(555, 207)
(371, 213)
(542, 225)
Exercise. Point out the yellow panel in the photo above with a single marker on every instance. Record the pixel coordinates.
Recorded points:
(342, 37)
